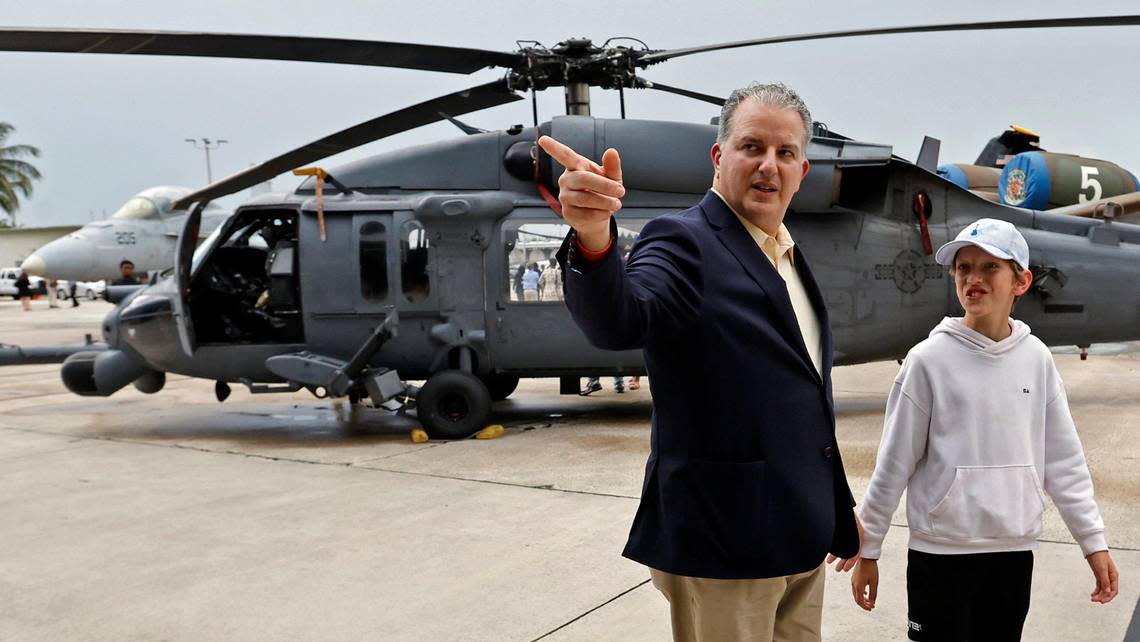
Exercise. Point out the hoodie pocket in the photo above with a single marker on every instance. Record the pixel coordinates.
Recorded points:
(990, 502)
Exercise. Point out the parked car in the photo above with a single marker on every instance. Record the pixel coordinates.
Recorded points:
(8, 278)
(90, 290)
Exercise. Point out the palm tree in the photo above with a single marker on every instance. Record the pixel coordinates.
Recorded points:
(15, 174)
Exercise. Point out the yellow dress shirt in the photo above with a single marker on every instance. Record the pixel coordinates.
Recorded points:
(778, 250)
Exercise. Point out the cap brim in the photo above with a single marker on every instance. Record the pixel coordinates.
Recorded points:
(945, 254)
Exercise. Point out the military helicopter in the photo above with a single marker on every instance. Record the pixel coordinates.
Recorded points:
(144, 229)
(404, 266)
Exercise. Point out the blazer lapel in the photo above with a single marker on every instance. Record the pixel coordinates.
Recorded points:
(816, 296)
(741, 244)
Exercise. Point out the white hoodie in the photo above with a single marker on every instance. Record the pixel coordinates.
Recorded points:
(975, 430)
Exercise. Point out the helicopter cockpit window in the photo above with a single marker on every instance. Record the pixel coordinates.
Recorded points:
(414, 278)
(137, 208)
(204, 248)
(373, 261)
(533, 276)
(245, 287)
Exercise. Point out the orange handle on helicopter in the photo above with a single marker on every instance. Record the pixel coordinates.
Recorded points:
(321, 176)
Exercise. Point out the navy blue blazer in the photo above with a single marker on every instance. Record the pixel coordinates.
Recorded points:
(744, 478)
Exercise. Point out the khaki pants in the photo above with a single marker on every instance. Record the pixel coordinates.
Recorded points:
(787, 609)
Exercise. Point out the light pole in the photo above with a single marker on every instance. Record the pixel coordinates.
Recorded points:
(207, 145)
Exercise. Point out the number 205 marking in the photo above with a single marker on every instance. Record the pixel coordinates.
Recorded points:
(1088, 181)
(125, 238)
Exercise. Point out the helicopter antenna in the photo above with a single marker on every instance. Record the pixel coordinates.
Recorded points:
(534, 105)
(621, 99)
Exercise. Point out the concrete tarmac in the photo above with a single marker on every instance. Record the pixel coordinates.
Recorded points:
(174, 517)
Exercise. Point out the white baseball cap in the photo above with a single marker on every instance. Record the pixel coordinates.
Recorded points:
(999, 238)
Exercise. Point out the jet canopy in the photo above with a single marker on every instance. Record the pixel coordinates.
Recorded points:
(150, 203)
(137, 208)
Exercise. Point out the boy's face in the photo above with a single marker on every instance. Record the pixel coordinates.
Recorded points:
(987, 285)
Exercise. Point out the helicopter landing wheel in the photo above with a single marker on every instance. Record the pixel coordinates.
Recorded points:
(500, 385)
(453, 404)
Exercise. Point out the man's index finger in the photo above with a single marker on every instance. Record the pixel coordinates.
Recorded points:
(569, 158)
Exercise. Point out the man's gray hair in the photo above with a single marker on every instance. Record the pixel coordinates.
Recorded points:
(774, 94)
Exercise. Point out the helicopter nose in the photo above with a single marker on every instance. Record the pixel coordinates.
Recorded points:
(34, 265)
(66, 258)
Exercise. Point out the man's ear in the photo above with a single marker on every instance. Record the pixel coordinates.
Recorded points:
(1022, 286)
(714, 154)
(807, 166)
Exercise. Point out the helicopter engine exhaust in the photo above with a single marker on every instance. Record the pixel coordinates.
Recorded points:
(102, 374)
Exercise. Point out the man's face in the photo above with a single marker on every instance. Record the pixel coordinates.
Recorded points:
(127, 270)
(987, 285)
(761, 165)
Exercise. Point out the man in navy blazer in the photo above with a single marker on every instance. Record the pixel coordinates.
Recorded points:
(744, 492)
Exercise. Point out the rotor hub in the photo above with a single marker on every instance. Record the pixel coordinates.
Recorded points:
(577, 61)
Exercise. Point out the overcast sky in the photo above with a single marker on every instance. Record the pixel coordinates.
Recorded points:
(110, 126)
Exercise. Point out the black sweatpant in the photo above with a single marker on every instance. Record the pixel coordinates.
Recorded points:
(980, 596)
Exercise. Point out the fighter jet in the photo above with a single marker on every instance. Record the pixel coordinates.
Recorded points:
(144, 230)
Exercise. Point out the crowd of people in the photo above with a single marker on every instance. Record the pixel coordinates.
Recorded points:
(538, 281)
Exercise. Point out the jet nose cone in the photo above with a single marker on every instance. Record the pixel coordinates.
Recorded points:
(66, 258)
(34, 265)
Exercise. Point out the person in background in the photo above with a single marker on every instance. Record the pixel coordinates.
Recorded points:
(518, 284)
(550, 283)
(593, 384)
(24, 291)
(126, 274)
(530, 282)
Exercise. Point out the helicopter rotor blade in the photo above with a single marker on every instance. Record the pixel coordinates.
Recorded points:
(461, 102)
(1047, 23)
(650, 84)
(295, 48)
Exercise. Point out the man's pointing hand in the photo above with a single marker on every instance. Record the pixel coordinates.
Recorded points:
(589, 192)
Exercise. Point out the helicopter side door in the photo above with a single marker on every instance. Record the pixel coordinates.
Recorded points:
(183, 256)
(346, 281)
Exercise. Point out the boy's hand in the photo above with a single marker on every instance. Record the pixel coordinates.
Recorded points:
(589, 192)
(1107, 579)
(865, 583)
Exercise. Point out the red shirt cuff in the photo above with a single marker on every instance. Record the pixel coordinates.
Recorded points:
(591, 256)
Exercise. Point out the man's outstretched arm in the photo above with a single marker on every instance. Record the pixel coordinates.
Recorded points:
(617, 305)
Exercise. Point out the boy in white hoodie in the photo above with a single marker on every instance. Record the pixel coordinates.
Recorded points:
(977, 431)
